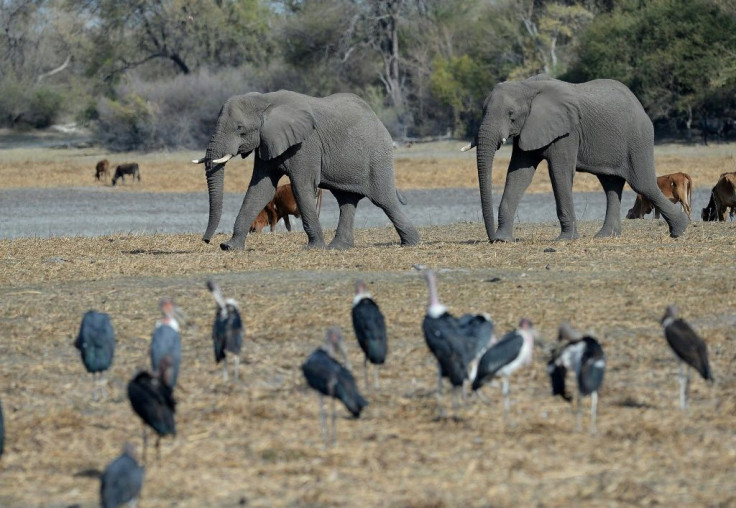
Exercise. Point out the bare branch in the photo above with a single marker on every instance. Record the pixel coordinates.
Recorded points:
(55, 71)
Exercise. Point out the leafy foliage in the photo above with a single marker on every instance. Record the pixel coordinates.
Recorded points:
(154, 74)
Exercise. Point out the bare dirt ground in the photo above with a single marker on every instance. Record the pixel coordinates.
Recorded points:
(257, 442)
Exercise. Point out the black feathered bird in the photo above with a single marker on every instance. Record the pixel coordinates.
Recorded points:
(326, 375)
(689, 349)
(166, 339)
(122, 480)
(585, 357)
(96, 344)
(456, 343)
(227, 330)
(151, 396)
(503, 358)
(370, 330)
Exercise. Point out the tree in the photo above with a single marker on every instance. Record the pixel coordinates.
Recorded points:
(677, 56)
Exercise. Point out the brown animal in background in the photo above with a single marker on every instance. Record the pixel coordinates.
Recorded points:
(677, 187)
(102, 169)
(281, 206)
(126, 169)
(722, 197)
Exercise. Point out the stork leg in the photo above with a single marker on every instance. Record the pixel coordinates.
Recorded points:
(593, 410)
(375, 377)
(439, 391)
(236, 365)
(578, 423)
(365, 373)
(505, 391)
(683, 386)
(334, 422)
(455, 403)
(103, 384)
(94, 387)
(224, 368)
(158, 448)
(323, 419)
(145, 443)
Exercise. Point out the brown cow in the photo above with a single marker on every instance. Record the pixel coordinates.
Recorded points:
(677, 187)
(281, 206)
(102, 169)
(722, 197)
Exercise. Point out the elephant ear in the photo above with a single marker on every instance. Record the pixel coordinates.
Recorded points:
(284, 126)
(554, 112)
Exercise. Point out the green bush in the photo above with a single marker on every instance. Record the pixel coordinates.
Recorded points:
(44, 107)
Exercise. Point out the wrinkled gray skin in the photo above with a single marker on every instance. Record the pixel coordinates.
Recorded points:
(598, 127)
(336, 143)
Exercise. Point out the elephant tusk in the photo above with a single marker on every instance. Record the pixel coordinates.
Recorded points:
(223, 160)
(199, 161)
(467, 147)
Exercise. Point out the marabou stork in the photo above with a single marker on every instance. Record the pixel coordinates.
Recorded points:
(326, 375)
(166, 339)
(152, 398)
(370, 330)
(456, 343)
(122, 480)
(584, 356)
(689, 349)
(503, 358)
(96, 345)
(227, 330)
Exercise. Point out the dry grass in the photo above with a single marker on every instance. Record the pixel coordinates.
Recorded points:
(259, 439)
(430, 165)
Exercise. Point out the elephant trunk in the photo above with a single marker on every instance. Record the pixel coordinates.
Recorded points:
(215, 185)
(484, 156)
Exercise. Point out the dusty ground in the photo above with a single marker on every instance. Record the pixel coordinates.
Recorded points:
(423, 166)
(257, 441)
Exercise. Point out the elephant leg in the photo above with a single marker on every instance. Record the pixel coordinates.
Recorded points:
(612, 186)
(674, 215)
(562, 162)
(404, 227)
(347, 201)
(303, 193)
(260, 191)
(643, 180)
(520, 174)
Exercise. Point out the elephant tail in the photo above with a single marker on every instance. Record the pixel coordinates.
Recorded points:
(319, 201)
(401, 197)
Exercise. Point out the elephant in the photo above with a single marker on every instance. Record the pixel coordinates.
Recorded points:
(335, 143)
(598, 127)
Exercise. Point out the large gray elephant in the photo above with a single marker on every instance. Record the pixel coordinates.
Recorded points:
(335, 143)
(598, 127)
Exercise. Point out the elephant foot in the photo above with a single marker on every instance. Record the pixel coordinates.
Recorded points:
(233, 244)
(504, 237)
(340, 244)
(409, 237)
(316, 244)
(567, 235)
(406, 242)
(607, 232)
(678, 228)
